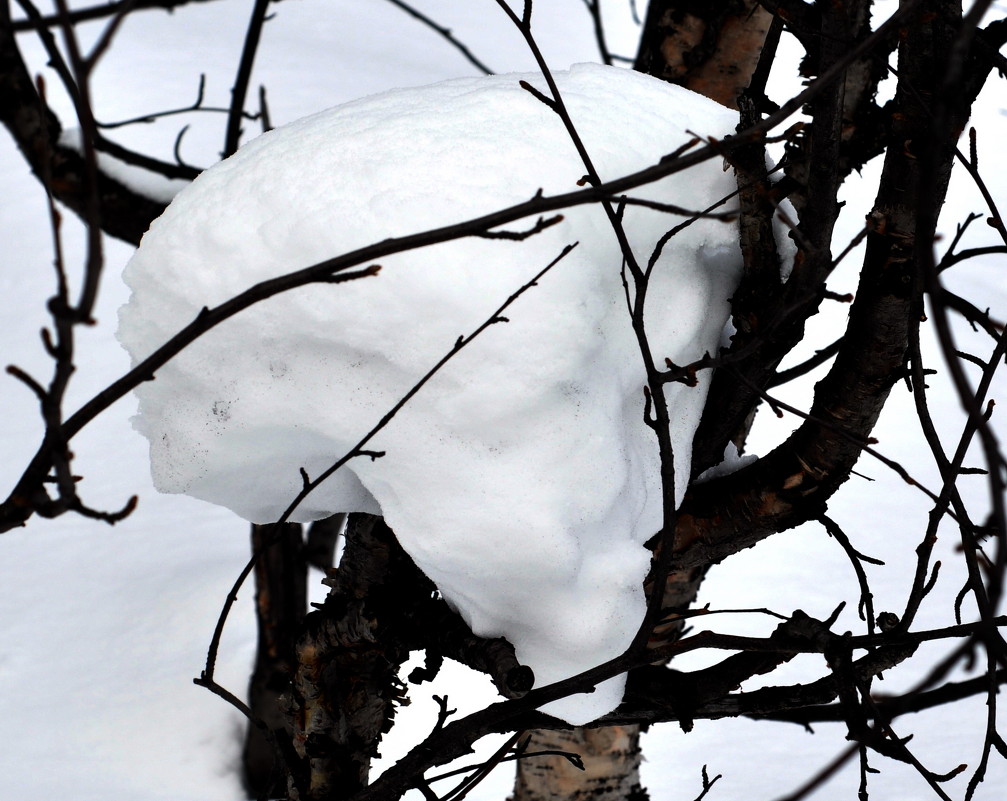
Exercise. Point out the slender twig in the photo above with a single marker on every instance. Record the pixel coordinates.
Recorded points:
(196, 105)
(469, 783)
(263, 115)
(177, 171)
(865, 445)
(657, 400)
(74, 71)
(901, 751)
(707, 783)
(822, 776)
(104, 41)
(594, 11)
(942, 124)
(692, 214)
(986, 598)
(446, 33)
(866, 607)
(81, 68)
(453, 739)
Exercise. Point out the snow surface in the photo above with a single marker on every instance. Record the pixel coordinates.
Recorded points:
(522, 479)
(129, 723)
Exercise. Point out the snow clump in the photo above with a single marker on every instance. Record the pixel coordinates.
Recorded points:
(522, 479)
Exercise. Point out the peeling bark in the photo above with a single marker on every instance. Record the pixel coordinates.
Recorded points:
(709, 47)
(348, 656)
(606, 753)
(345, 687)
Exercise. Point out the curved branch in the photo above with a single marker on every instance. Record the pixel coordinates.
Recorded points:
(446, 33)
(98, 12)
(124, 213)
(792, 484)
(659, 695)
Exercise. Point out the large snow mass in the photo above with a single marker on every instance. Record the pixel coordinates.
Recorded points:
(522, 478)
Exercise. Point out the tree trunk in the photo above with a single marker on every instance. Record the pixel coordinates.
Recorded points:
(611, 754)
(345, 685)
(611, 757)
(348, 657)
(280, 605)
(321, 541)
(709, 46)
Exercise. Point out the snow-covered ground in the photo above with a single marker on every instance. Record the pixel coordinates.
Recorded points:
(102, 629)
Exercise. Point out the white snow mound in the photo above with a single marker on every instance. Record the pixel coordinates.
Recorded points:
(522, 478)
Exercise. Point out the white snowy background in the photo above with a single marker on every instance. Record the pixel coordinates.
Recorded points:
(102, 629)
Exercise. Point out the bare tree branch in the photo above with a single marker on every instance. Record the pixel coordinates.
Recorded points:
(446, 33)
(123, 213)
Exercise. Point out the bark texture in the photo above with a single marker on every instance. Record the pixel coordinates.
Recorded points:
(348, 656)
(606, 752)
(710, 47)
(770, 315)
(345, 686)
(793, 482)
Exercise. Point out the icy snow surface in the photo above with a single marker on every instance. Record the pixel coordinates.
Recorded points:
(521, 479)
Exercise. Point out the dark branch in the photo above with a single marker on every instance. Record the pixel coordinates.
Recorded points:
(446, 33)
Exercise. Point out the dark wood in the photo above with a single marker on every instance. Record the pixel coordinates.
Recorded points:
(792, 484)
(321, 541)
(709, 46)
(123, 212)
(281, 602)
(348, 655)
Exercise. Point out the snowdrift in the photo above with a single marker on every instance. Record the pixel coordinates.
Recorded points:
(522, 478)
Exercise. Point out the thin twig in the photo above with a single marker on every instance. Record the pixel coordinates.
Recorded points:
(866, 607)
(446, 33)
